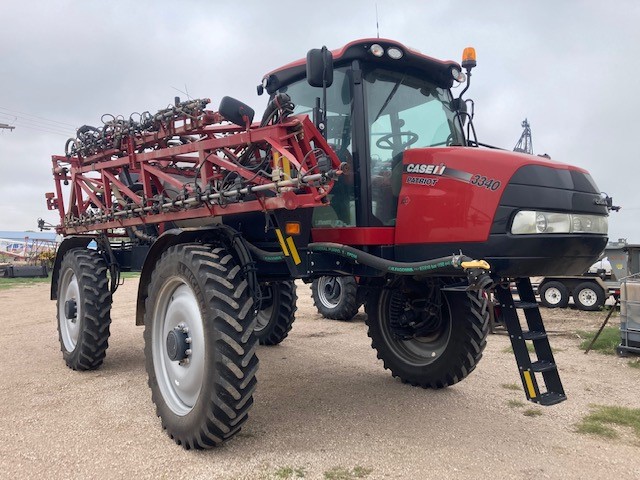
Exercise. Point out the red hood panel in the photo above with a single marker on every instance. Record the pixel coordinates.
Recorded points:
(451, 194)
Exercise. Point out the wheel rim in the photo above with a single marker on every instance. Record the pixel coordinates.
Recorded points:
(553, 296)
(69, 326)
(587, 297)
(265, 313)
(418, 351)
(179, 381)
(329, 291)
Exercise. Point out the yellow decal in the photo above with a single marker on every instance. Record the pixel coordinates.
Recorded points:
(282, 244)
(294, 251)
(529, 382)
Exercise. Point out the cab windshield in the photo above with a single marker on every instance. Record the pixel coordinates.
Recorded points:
(402, 111)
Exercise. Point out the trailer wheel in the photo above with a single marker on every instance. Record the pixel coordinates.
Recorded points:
(449, 346)
(554, 295)
(277, 313)
(336, 297)
(588, 296)
(199, 345)
(83, 309)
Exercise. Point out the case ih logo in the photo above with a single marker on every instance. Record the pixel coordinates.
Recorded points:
(440, 170)
(425, 169)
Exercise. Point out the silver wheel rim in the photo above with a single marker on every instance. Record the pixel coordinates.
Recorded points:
(418, 351)
(265, 314)
(329, 291)
(552, 295)
(69, 327)
(587, 297)
(179, 382)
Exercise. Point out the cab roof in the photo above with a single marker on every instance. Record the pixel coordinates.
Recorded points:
(438, 71)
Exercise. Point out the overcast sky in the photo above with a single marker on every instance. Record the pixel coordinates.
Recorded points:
(569, 67)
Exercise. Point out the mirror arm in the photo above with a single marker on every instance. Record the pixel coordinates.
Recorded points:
(323, 121)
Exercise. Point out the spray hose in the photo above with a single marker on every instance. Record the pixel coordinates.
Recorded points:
(477, 270)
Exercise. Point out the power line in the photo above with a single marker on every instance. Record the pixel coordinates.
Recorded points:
(37, 128)
(36, 124)
(36, 116)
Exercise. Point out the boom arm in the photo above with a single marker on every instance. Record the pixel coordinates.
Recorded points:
(188, 163)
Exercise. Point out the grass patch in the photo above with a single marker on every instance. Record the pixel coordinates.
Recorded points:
(511, 386)
(129, 274)
(634, 363)
(532, 412)
(341, 473)
(515, 403)
(599, 420)
(607, 342)
(287, 472)
(6, 283)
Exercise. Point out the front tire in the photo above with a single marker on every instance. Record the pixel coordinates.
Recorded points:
(277, 313)
(199, 345)
(83, 309)
(336, 297)
(588, 296)
(445, 353)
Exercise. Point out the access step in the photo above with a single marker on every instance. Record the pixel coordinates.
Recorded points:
(534, 373)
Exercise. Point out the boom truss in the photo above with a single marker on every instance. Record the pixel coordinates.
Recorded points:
(186, 162)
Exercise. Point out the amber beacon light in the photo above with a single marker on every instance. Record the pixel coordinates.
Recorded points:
(469, 58)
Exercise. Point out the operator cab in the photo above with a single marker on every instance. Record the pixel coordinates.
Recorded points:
(383, 99)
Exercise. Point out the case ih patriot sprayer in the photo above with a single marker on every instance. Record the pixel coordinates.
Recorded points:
(364, 164)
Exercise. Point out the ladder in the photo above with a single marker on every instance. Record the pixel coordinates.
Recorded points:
(544, 365)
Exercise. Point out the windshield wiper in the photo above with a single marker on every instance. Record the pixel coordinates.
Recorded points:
(391, 94)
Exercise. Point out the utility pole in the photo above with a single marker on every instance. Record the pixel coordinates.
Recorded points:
(525, 144)
(6, 127)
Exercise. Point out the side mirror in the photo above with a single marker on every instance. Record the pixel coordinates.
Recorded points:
(319, 67)
(236, 112)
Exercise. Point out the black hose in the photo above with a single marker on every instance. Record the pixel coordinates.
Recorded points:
(241, 247)
(389, 266)
(355, 255)
(264, 256)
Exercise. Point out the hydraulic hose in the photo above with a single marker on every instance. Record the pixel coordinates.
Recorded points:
(399, 268)
(388, 266)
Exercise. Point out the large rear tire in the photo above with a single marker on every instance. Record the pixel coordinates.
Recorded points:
(83, 309)
(277, 313)
(447, 350)
(336, 297)
(199, 345)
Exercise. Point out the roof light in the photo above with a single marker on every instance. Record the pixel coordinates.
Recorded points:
(469, 58)
(457, 75)
(376, 50)
(395, 53)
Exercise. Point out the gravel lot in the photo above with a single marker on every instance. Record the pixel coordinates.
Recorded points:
(324, 403)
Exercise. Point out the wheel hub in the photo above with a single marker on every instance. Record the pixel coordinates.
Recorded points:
(331, 290)
(178, 344)
(414, 318)
(70, 309)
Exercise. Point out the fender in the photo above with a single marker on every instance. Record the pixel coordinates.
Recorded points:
(67, 244)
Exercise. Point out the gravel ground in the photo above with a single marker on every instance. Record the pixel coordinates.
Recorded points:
(324, 407)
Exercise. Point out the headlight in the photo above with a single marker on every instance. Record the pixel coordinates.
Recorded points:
(527, 222)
